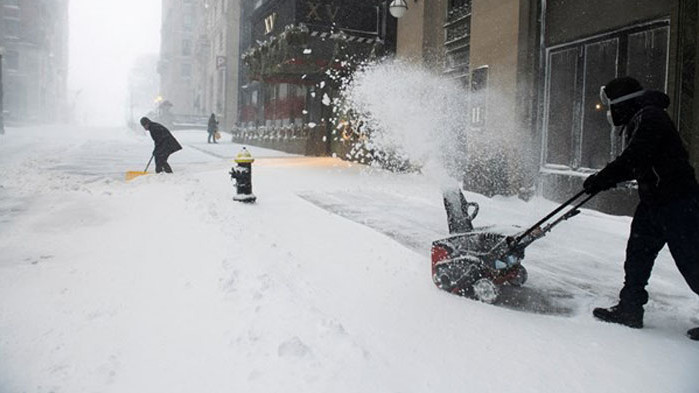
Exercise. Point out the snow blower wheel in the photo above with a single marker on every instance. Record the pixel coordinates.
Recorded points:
(486, 290)
(520, 277)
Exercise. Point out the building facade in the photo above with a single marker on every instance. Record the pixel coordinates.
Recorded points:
(290, 48)
(216, 64)
(533, 69)
(34, 41)
(143, 88)
(176, 65)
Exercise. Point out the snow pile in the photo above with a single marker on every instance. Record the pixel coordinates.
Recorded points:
(164, 284)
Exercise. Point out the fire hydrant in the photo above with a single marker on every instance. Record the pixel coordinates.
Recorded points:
(242, 175)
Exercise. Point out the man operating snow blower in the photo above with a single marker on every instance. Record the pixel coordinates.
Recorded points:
(668, 212)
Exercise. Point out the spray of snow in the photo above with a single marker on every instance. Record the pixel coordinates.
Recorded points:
(411, 111)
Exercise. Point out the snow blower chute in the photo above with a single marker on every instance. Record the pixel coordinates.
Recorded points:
(476, 262)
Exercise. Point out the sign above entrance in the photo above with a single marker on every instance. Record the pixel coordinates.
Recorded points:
(270, 21)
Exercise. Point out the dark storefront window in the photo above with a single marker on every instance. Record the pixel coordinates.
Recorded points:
(577, 134)
(647, 59)
(479, 91)
(600, 68)
(561, 115)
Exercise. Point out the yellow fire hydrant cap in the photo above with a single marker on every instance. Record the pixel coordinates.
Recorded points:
(244, 157)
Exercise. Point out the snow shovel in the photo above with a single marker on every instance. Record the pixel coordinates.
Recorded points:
(130, 175)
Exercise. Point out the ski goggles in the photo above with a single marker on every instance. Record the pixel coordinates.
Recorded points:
(607, 102)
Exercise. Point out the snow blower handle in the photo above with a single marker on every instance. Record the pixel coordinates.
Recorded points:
(570, 213)
(566, 216)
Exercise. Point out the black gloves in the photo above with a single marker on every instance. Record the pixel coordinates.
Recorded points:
(596, 183)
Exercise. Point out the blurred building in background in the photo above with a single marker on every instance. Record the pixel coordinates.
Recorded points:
(176, 65)
(34, 42)
(199, 62)
(217, 59)
(143, 89)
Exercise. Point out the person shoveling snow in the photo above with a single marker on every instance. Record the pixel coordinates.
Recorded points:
(165, 144)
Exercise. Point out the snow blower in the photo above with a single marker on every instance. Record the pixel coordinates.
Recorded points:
(476, 262)
(130, 175)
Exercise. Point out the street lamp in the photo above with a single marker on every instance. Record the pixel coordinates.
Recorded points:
(398, 8)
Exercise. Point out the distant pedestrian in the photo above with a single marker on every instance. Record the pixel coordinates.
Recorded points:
(165, 144)
(669, 209)
(212, 128)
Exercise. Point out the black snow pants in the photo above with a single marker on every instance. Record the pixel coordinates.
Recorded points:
(161, 163)
(675, 223)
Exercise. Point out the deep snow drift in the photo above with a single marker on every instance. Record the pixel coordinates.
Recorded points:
(164, 284)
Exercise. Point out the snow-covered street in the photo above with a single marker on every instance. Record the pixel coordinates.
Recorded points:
(164, 284)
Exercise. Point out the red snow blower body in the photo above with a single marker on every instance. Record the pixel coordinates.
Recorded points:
(476, 262)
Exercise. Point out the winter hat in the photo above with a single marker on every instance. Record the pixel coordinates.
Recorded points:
(144, 121)
(621, 95)
(620, 87)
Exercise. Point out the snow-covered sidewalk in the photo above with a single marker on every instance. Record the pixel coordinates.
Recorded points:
(164, 284)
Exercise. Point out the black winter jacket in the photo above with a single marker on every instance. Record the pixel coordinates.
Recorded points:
(212, 126)
(655, 155)
(165, 143)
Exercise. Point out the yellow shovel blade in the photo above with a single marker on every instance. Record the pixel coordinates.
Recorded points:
(130, 175)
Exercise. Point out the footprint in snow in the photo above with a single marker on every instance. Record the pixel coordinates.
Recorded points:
(333, 327)
(293, 347)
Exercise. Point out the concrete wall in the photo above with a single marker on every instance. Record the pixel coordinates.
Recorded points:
(421, 32)
(494, 42)
(433, 37)
(411, 32)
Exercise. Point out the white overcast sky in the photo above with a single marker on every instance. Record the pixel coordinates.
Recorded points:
(106, 36)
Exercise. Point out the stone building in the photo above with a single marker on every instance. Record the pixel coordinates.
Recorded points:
(176, 66)
(217, 60)
(34, 42)
(534, 69)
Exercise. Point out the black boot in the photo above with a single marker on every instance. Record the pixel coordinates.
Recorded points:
(693, 333)
(627, 316)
